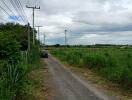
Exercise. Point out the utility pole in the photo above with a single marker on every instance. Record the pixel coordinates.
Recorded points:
(28, 37)
(38, 32)
(65, 38)
(44, 40)
(33, 21)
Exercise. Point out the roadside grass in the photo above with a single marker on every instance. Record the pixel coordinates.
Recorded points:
(14, 76)
(102, 83)
(37, 87)
(16, 62)
(113, 65)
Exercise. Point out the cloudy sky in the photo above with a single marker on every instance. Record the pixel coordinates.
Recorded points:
(87, 21)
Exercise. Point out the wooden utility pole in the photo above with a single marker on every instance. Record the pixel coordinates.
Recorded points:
(33, 21)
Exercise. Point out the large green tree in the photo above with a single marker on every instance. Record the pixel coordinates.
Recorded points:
(13, 39)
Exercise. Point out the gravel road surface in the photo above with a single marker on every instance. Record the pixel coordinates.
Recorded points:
(69, 86)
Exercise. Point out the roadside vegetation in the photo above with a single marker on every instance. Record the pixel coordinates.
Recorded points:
(15, 61)
(38, 87)
(115, 64)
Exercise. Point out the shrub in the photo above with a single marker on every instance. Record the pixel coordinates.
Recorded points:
(9, 48)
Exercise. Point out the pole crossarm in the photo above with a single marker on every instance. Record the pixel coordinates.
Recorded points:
(33, 7)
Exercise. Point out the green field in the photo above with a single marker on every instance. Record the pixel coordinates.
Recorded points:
(115, 64)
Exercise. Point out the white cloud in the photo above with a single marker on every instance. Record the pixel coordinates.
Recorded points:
(98, 21)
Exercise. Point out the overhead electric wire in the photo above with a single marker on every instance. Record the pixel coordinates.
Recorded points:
(4, 10)
(3, 1)
(7, 7)
(23, 10)
(19, 6)
(17, 10)
(20, 10)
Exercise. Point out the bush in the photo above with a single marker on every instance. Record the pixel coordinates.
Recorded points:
(14, 65)
(9, 48)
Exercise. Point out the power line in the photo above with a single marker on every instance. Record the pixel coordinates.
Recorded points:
(4, 10)
(17, 9)
(33, 8)
(23, 10)
(3, 1)
(20, 7)
(7, 7)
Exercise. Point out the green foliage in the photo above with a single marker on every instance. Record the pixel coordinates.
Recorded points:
(113, 63)
(15, 61)
(19, 32)
(9, 47)
(14, 76)
(11, 81)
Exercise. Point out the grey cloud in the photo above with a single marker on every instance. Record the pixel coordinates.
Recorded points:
(81, 17)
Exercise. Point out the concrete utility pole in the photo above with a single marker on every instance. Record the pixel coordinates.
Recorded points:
(44, 42)
(38, 32)
(33, 21)
(65, 37)
(44, 39)
(28, 37)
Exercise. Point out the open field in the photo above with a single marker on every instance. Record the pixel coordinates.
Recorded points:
(112, 63)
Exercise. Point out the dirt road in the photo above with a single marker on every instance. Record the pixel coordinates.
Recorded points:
(69, 86)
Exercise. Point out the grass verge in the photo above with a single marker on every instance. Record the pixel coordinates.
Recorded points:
(102, 83)
(37, 87)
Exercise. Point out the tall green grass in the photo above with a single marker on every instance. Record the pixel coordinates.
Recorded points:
(13, 76)
(113, 63)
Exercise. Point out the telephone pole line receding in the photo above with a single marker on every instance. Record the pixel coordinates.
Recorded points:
(65, 38)
(44, 39)
(33, 21)
(38, 31)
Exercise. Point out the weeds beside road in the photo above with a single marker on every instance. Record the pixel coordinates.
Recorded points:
(38, 84)
(15, 62)
(114, 64)
(14, 76)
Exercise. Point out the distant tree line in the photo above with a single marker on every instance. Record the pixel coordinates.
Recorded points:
(92, 46)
